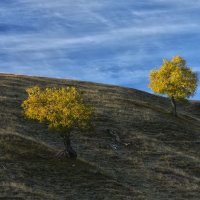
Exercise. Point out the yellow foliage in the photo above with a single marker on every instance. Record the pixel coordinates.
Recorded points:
(62, 108)
(174, 79)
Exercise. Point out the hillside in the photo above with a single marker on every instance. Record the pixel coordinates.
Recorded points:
(137, 149)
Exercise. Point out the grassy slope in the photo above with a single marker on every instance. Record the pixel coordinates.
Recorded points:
(151, 154)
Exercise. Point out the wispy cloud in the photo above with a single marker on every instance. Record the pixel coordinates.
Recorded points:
(108, 41)
(31, 42)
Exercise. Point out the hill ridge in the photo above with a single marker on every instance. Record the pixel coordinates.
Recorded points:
(156, 155)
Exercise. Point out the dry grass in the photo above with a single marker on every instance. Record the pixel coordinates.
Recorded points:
(152, 155)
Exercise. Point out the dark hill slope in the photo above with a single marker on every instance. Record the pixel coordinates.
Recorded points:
(137, 150)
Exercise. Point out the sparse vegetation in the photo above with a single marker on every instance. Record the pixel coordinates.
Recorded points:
(62, 108)
(174, 79)
(161, 160)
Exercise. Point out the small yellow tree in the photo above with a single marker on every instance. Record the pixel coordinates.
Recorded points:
(174, 79)
(62, 109)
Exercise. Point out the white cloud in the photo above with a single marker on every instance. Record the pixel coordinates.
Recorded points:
(41, 42)
(117, 41)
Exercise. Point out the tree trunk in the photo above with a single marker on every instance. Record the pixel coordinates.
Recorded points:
(68, 148)
(173, 102)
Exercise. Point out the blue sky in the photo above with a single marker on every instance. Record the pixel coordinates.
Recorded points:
(107, 41)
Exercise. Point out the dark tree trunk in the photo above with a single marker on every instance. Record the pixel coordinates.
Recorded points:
(173, 102)
(68, 148)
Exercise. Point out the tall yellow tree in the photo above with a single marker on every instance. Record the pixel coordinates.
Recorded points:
(63, 109)
(174, 79)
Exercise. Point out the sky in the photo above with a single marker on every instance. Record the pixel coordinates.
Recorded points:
(106, 41)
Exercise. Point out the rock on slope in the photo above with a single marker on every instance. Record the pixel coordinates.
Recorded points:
(137, 149)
